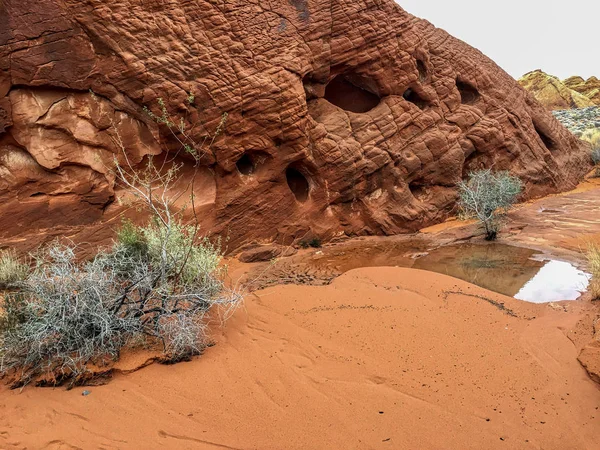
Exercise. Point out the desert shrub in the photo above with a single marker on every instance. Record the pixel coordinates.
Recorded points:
(593, 257)
(592, 136)
(156, 284)
(131, 238)
(68, 318)
(67, 314)
(11, 269)
(487, 196)
(314, 243)
(13, 311)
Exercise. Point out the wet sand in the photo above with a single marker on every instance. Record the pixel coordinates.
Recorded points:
(383, 358)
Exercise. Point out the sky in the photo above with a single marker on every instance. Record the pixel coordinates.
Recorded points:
(559, 37)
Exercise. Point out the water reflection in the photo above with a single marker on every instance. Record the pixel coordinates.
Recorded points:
(513, 271)
(557, 280)
(508, 270)
(499, 268)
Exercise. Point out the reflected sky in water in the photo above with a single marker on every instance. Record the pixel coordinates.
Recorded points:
(555, 281)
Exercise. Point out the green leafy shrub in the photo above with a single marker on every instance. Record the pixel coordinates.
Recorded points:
(314, 243)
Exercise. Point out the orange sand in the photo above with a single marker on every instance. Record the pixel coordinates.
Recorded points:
(379, 359)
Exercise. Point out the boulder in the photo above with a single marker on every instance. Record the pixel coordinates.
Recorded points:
(553, 93)
(344, 117)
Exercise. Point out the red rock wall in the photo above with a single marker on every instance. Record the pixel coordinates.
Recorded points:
(418, 109)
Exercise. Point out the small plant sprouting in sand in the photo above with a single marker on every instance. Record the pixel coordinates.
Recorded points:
(487, 196)
(159, 283)
(12, 270)
(593, 258)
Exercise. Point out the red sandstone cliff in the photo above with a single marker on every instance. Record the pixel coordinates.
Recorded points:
(345, 116)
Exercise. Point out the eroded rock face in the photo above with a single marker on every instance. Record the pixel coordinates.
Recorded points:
(590, 354)
(590, 87)
(344, 116)
(553, 93)
(56, 157)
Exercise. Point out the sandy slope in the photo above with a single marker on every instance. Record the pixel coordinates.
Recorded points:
(379, 359)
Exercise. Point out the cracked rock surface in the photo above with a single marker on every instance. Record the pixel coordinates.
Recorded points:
(344, 116)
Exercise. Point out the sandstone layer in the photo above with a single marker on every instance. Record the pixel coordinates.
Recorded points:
(554, 94)
(590, 87)
(343, 116)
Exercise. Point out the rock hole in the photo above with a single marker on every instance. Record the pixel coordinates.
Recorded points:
(468, 93)
(347, 95)
(411, 96)
(297, 183)
(417, 190)
(422, 69)
(547, 140)
(245, 165)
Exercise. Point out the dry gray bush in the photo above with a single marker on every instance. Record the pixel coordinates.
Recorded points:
(158, 282)
(487, 196)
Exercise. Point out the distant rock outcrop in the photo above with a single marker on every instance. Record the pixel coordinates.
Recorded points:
(345, 116)
(552, 92)
(590, 87)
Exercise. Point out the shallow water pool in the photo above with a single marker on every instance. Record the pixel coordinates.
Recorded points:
(513, 271)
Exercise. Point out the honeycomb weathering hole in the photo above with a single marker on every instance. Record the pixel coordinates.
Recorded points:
(417, 190)
(347, 95)
(413, 97)
(297, 183)
(245, 165)
(468, 93)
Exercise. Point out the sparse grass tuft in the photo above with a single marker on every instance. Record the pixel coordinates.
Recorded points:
(593, 257)
(11, 269)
